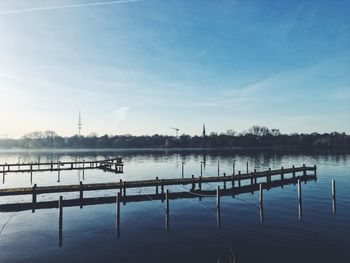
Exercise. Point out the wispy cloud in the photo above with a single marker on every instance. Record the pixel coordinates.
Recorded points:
(119, 115)
(47, 8)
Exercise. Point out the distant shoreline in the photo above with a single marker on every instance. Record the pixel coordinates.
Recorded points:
(179, 149)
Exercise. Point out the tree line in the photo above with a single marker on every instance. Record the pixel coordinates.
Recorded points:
(256, 136)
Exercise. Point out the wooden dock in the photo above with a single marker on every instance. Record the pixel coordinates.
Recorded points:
(111, 165)
(15, 207)
(257, 181)
(253, 177)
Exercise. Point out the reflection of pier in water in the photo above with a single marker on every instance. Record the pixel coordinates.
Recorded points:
(163, 196)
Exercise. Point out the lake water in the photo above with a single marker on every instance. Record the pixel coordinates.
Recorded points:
(89, 234)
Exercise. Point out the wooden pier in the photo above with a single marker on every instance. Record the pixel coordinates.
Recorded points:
(111, 165)
(16, 207)
(257, 181)
(123, 185)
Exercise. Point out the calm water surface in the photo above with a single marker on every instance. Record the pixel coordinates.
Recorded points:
(89, 234)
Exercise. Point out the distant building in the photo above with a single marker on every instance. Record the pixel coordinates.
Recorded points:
(79, 125)
(204, 133)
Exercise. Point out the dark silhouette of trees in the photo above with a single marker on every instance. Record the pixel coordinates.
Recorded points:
(256, 136)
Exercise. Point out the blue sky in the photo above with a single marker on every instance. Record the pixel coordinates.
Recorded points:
(140, 67)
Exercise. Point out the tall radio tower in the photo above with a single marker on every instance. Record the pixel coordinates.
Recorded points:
(79, 125)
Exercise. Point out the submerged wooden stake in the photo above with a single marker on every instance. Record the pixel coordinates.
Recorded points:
(60, 221)
(218, 196)
(333, 188)
(261, 210)
(118, 196)
(218, 215)
(334, 204)
(167, 210)
(300, 210)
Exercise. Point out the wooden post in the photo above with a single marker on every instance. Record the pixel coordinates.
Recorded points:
(218, 168)
(251, 177)
(193, 183)
(247, 166)
(261, 210)
(118, 197)
(31, 172)
(260, 194)
(60, 221)
(81, 194)
(182, 170)
(315, 167)
(51, 165)
(304, 170)
(293, 171)
(234, 167)
(120, 185)
(269, 176)
(157, 185)
(34, 198)
(83, 169)
(167, 210)
(218, 215)
(299, 200)
(124, 188)
(3, 174)
(58, 171)
(333, 197)
(218, 196)
(39, 162)
(233, 180)
(239, 178)
(201, 168)
(282, 173)
(225, 181)
(299, 189)
(200, 183)
(255, 179)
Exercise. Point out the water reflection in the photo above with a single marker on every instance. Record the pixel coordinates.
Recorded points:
(218, 193)
(238, 229)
